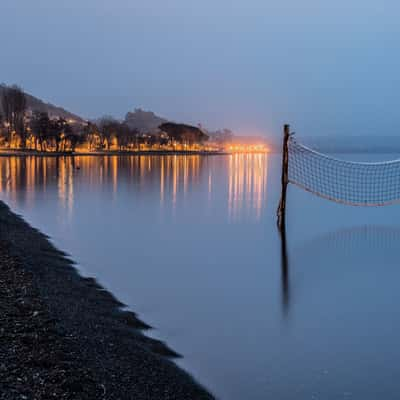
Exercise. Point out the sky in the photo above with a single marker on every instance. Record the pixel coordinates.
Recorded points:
(325, 67)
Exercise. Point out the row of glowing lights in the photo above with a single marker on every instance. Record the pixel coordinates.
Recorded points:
(246, 149)
(260, 148)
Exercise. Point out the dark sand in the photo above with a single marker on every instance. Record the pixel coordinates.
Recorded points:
(65, 337)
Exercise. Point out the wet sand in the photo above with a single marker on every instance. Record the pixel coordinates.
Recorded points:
(63, 336)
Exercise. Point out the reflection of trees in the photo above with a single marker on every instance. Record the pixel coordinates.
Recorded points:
(353, 246)
(23, 176)
(170, 175)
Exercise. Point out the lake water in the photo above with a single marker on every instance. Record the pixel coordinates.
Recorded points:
(190, 243)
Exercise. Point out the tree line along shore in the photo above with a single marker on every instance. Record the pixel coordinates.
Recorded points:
(27, 130)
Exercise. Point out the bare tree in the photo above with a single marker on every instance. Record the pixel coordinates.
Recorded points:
(59, 129)
(40, 128)
(91, 133)
(2, 130)
(6, 103)
(108, 130)
(13, 101)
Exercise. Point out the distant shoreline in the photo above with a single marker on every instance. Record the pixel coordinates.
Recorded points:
(28, 153)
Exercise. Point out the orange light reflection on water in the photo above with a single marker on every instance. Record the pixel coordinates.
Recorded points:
(173, 177)
(247, 187)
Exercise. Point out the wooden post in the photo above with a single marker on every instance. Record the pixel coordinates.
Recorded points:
(284, 178)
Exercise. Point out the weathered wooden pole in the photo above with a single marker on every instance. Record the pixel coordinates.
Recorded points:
(284, 179)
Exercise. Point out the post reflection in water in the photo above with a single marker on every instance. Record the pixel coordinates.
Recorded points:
(173, 176)
(284, 271)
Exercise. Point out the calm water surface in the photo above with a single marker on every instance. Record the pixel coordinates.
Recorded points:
(190, 243)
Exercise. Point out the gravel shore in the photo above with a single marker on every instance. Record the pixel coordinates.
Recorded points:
(65, 337)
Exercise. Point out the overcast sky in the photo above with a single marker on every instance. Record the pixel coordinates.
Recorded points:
(327, 67)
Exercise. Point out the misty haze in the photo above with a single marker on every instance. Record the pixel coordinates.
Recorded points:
(199, 200)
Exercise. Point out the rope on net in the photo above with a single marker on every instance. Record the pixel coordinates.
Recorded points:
(347, 182)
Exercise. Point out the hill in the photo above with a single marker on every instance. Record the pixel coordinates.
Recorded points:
(35, 104)
(144, 121)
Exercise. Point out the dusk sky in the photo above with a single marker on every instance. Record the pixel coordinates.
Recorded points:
(325, 67)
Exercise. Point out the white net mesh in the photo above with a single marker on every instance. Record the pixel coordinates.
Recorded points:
(354, 183)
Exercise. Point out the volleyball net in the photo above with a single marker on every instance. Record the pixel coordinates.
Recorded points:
(347, 182)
